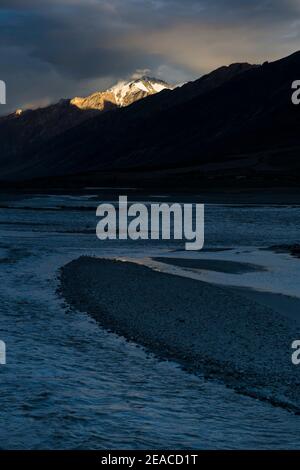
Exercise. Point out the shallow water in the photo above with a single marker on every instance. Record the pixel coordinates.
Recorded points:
(69, 384)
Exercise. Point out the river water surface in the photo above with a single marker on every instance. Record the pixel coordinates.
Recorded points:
(68, 384)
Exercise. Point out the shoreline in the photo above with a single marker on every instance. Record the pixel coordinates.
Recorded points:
(252, 196)
(207, 329)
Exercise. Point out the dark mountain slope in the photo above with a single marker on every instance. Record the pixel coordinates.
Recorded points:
(24, 132)
(27, 130)
(245, 125)
(25, 138)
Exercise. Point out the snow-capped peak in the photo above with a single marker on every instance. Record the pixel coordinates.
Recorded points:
(127, 92)
(122, 94)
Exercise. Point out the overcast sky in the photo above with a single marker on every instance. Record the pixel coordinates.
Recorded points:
(51, 49)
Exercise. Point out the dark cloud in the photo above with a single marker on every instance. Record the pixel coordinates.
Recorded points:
(53, 48)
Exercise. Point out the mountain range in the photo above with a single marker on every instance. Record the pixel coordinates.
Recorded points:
(25, 131)
(234, 126)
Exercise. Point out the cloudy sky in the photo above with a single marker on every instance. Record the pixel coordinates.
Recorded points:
(51, 49)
